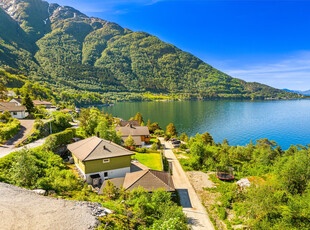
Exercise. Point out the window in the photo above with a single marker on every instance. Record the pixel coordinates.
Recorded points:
(106, 161)
(15, 113)
(105, 174)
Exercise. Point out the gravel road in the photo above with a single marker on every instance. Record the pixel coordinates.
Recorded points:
(22, 209)
(192, 207)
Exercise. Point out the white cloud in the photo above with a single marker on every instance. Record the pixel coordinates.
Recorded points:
(292, 73)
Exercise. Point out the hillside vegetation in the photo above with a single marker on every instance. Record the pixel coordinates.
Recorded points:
(66, 49)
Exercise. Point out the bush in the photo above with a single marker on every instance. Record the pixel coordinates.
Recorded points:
(154, 147)
(183, 146)
(141, 150)
(55, 140)
(9, 130)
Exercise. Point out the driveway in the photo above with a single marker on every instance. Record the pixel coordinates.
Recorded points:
(192, 207)
(9, 146)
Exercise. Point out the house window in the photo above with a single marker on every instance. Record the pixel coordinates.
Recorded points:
(15, 113)
(106, 161)
(105, 174)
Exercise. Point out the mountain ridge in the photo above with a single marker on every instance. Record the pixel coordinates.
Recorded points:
(68, 49)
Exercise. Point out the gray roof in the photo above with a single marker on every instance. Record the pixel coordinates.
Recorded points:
(95, 148)
(148, 179)
(11, 107)
(38, 102)
(19, 100)
(133, 123)
(133, 130)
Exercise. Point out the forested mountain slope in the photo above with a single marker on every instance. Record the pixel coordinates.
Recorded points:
(62, 46)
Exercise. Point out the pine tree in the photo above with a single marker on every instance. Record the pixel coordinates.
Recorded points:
(27, 101)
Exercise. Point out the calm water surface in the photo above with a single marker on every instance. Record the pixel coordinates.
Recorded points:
(286, 122)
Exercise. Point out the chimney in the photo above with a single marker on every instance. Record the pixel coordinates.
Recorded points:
(98, 135)
(104, 147)
(130, 125)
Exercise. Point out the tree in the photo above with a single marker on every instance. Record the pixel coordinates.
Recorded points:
(27, 101)
(184, 137)
(2, 91)
(207, 138)
(138, 117)
(110, 191)
(24, 170)
(225, 142)
(129, 142)
(171, 130)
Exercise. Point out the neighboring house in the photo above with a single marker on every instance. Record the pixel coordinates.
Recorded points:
(148, 179)
(10, 93)
(140, 134)
(67, 111)
(17, 111)
(99, 158)
(47, 104)
(124, 123)
(17, 101)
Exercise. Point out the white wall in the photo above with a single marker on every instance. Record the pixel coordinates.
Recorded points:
(111, 174)
(19, 115)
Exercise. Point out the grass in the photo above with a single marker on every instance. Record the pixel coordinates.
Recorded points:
(151, 160)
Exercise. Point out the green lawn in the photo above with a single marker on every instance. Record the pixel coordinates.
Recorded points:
(151, 160)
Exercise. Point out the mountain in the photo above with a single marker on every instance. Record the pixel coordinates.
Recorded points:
(66, 49)
(306, 92)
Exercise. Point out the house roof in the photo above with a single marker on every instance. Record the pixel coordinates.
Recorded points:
(133, 123)
(11, 107)
(136, 139)
(149, 179)
(19, 100)
(95, 148)
(38, 102)
(133, 130)
(66, 110)
(118, 182)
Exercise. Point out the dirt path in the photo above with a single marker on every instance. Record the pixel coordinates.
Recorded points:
(23, 209)
(192, 206)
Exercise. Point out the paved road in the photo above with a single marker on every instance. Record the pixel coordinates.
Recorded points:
(190, 202)
(9, 146)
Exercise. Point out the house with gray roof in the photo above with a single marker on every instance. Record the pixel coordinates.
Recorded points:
(98, 158)
(149, 179)
(140, 134)
(17, 111)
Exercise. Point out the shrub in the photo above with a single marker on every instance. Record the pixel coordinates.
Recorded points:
(55, 140)
(154, 146)
(9, 129)
(141, 150)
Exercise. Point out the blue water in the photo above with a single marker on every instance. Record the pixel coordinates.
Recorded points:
(286, 122)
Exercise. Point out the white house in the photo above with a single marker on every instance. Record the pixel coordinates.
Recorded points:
(17, 101)
(17, 111)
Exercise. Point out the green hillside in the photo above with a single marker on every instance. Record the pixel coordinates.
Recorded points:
(66, 49)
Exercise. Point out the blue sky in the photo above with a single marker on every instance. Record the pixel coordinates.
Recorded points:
(264, 41)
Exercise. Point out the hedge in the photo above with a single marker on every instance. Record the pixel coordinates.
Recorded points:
(53, 141)
(9, 130)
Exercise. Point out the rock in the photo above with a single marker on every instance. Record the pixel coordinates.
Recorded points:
(39, 191)
(243, 183)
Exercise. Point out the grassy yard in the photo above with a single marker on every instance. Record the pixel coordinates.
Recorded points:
(151, 160)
